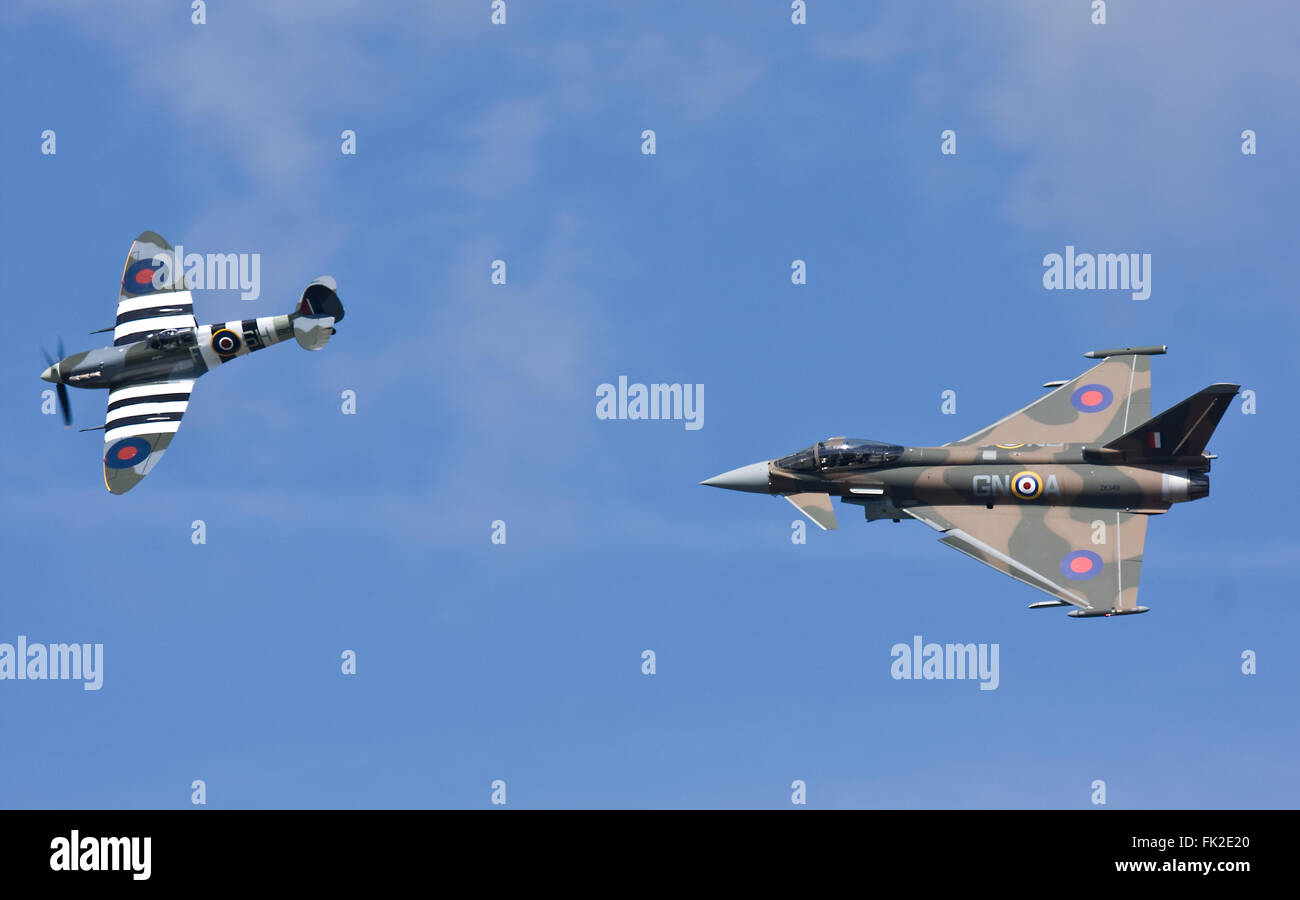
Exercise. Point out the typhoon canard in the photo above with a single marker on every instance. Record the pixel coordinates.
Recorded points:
(1057, 494)
(159, 350)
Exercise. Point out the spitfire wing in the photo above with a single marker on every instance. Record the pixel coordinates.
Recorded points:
(1089, 558)
(153, 294)
(1098, 406)
(141, 421)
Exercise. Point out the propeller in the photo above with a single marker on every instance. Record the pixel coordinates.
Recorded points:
(60, 387)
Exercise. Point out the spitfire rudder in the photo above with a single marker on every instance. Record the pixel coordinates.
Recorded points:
(317, 313)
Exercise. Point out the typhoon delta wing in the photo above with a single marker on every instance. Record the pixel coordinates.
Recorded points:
(159, 351)
(1057, 494)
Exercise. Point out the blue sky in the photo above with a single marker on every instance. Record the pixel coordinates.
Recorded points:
(522, 662)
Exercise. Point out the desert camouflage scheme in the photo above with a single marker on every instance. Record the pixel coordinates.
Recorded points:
(1056, 495)
(159, 350)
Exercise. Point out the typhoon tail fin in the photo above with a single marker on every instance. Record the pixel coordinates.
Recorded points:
(317, 313)
(1182, 430)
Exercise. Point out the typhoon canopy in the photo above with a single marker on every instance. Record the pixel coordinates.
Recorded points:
(1056, 495)
(159, 351)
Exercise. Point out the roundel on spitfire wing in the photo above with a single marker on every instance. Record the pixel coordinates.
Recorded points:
(127, 452)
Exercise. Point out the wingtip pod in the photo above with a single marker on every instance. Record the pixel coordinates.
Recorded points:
(1155, 350)
(317, 313)
(1106, 613)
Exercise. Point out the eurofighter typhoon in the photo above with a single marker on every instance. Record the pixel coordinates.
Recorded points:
(1057, 494)
(159, 351)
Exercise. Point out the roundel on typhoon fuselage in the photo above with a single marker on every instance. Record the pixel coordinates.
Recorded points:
(1027, 486)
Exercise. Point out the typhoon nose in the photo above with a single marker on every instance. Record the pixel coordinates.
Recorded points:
(51, 374)
(747, 478)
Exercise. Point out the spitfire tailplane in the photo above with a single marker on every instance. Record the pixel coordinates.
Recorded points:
(1180, 431)
(317, 313)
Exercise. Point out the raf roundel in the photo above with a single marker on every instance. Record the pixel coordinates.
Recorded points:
(138, 278)
(1027, 486)
(1092, 398)
(1080, 565)
(127, 452)
(225, 342)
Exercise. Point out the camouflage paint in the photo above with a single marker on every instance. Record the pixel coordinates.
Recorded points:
(1056, 495)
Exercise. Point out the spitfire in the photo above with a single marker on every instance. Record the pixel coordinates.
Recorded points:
(159, 350)
(1056, 495)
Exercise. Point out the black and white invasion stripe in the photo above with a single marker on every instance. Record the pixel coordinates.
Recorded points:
(137, 316)
(146, 409)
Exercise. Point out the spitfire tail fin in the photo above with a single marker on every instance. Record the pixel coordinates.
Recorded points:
(1182, 430)
(317, 313)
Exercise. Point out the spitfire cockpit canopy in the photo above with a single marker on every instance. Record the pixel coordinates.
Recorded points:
(840, 453)
(171, 337)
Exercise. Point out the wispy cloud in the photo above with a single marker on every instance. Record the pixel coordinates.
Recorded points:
(1136, 121)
